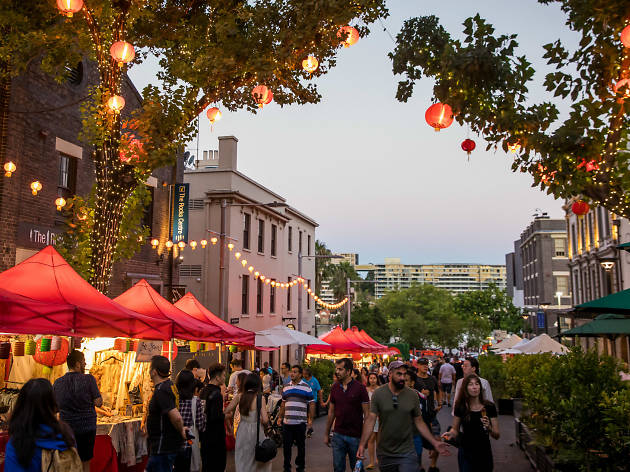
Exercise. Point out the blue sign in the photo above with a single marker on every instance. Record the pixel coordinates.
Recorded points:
(179, 212)
(540, 320)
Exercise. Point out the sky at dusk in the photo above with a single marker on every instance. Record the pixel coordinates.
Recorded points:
(372, 173)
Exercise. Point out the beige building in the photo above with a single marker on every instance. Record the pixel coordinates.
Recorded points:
(261, 229)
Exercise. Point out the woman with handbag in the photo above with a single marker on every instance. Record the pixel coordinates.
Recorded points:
(253, 410)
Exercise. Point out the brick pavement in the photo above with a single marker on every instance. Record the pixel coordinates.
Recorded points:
(507, 455)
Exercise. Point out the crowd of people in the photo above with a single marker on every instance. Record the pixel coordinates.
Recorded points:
(381, 415)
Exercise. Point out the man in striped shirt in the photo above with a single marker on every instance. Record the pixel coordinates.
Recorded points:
(296, 413)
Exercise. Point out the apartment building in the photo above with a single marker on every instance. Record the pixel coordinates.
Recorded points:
(456, 277)
(265, 232)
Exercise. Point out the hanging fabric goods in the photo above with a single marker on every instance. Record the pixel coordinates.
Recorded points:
(29, 347)
(5, 350)
(194, 346)
(55, 343)
(45, 344)
(18, 348)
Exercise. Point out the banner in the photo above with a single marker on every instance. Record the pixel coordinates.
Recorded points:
(179, 212)
(540, 320)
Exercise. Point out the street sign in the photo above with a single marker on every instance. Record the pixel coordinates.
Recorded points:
(179, 212)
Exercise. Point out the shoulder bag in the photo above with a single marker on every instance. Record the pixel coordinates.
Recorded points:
(54, 460)
(267, 449)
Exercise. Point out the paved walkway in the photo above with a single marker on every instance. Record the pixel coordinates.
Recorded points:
(507, 455)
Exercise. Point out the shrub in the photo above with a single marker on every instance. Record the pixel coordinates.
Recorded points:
(323, 370)
(492, 368)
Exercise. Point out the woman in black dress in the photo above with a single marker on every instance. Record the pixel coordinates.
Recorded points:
(475, 421)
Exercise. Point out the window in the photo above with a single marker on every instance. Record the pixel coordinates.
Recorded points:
(274, 233)
(308, 246)
(67, 175)
(245, 296)
(290, 245)
(289, 298)
(261, 236)
(259, 295)
(574, 244)
(300, 242)
(272, 298)
(247, 225)
(560, 247)
(308, 299)
(562, 285)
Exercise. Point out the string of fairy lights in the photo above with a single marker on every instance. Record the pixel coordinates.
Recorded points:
(258, 275)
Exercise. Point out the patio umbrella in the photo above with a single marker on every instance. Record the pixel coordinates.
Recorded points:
(618, 302)
(508, 342)
(283, 336)
(542, 343)
(607, 325)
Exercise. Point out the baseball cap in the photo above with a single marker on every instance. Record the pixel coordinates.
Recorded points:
(423, 361)
(395, 365)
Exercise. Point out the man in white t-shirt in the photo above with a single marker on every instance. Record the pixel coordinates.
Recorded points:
(471, 366)
(447, 379)
(237, 368)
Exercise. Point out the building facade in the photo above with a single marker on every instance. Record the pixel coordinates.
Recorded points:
(40, 121)
(514, 276)
(274, 239)
(456, 278)
(544, 265)
(597, 267)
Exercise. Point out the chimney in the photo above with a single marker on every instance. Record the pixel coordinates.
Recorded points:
(227, 152)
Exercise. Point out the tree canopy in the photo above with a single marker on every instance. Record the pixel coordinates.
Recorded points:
(486, 84)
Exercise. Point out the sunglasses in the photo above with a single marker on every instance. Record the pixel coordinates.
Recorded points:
(395, 401)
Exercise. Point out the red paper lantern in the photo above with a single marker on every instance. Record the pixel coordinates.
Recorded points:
(122, 52)
(439, 116)
(468, 145)
(69, 7)
(213, 114)
(580, 208)
(348, 35)
(165, 349)
(625, 36)
(263, 95)
(52, 358)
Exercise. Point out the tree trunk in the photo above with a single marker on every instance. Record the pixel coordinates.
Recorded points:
(114, 183)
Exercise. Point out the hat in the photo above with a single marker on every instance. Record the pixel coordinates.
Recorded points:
(423, 361)
(395, 365)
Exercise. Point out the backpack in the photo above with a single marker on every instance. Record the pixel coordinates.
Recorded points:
(54, 460)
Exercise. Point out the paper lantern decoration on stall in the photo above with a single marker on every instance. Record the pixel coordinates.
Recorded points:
(44, 344)
(439, 116)
(51, 358)
(18, 348)
(165, 349)
(5, 350)
(580, 208)
(349, 35)
(69, 7)
(625, 36)
(55, 343)
(233, 349)
(194, 346)
(30, 347)
(122, 52)
(262, 95)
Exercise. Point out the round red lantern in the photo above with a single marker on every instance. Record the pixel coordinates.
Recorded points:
(122, 52)
(263, 95)
(310, 64)
(165, 349)
(348, 35)
(468, 145)
(580, 208)
(213, 114)
(52, 358)
(625, 36)
(439, 116)
(69, 7)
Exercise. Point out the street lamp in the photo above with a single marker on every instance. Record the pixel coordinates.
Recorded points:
(559, 296)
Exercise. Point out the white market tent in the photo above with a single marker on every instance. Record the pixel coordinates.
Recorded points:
(542, 343)
(283, 336)
(508, 342)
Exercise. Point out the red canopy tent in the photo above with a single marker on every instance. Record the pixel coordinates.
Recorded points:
(144, 299)
(368, 339)
(229, 334)
(24, 315)
(353, 335)
(338, 341)
(47, 278)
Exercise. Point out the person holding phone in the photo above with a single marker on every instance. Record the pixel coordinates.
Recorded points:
(476, 419)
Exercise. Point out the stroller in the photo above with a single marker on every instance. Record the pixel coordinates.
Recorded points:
(274, 431)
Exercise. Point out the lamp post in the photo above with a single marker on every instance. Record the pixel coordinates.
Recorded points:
(608, 264)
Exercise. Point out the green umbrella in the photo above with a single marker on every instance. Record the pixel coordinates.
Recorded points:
(618, 302)
(604, 325)
(624, 247)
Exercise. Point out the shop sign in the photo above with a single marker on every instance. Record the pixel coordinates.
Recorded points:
(35, 236)
(179, 212)
(148, 349)
(234, 320)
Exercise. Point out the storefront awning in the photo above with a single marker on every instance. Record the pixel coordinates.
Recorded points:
(618, 302)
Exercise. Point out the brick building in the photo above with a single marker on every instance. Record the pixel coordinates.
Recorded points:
(40, 122)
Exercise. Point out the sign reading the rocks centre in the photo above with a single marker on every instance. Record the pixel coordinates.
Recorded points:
(179, 212)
